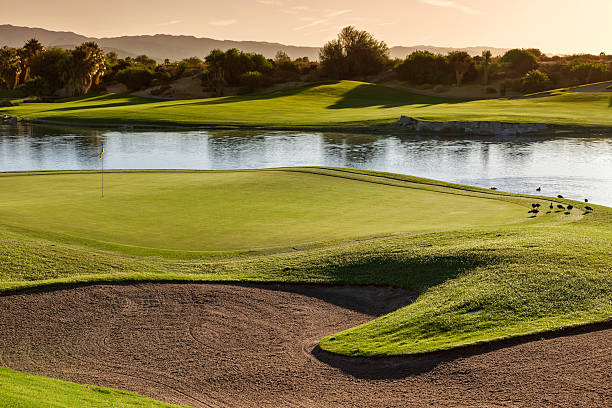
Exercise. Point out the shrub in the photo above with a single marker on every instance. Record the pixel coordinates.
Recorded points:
(521, 61)
(135, 77)
(35, 87)
(587, 72)
(422, 67)
(252, 80)
(535, 81)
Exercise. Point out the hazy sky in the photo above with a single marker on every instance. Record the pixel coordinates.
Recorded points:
(552, 25)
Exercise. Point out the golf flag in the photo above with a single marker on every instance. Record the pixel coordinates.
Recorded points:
(102, 151)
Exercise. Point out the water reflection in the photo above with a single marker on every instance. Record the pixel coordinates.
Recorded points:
(576, 166)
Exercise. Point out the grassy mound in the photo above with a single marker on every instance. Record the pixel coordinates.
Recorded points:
(485, 270)
(231, 210)
(344, 103)
(26, 390)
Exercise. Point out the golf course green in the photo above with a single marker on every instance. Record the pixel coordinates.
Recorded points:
(485, 269)
(329, 104)
(233, 210)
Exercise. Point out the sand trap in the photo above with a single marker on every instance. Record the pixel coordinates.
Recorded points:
(254, 346)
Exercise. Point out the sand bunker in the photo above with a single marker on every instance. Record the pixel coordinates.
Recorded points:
(254, 346)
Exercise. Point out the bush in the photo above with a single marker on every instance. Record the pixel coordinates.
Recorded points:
(535, 81)
(423, 67)
(588, 72)
(521, 61)
(252, 80)
(135, 78)
(35, 87)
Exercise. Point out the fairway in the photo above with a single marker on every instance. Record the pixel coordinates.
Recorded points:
(336, 104)
(235, 210)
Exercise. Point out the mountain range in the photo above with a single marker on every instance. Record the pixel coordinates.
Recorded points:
(177, 47)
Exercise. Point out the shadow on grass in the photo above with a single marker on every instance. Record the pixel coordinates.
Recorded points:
(250, 97)
(368, 95)
(411, 273)
(396, 368)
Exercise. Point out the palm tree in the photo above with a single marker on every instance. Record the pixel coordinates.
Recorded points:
(31, 49)
(86, 68)
(486, 66)
(10, 67)
(461, 62)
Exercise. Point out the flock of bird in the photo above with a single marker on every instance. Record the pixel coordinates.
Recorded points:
(535, 207)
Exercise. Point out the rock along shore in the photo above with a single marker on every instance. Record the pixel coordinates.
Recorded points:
(492, 128)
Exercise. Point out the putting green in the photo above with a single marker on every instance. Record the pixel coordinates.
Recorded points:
(236, 210)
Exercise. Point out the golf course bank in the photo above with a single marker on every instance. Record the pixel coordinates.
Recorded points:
(475, 265)
(346, 105)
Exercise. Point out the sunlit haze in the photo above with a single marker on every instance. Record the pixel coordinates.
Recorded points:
(555, 26)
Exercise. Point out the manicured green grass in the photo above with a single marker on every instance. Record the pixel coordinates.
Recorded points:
(344, 103)
(18, 390)
(481, 277)
(232, 210)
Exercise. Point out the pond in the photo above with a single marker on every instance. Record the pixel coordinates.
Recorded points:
(575, 165)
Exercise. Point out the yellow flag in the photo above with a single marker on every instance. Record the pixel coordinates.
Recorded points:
(102, 151)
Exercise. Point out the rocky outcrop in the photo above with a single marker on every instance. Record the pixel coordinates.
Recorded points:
(490, 128)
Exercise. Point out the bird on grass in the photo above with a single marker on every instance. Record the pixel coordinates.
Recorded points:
(493, 188)
(586, 200)
(551, 206)
(559, 196)
(559, 206)
(539, 189)
(569, 207)
(588, 208)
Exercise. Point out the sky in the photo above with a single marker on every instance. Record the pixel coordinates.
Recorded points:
(554, 26)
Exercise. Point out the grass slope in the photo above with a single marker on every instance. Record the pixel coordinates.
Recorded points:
(344, 103)
(501, 278)
(25, 390)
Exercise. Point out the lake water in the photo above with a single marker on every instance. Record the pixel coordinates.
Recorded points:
(575, 165)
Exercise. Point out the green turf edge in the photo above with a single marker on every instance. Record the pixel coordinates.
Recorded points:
(19, 389)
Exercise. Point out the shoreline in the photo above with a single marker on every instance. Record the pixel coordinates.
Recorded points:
(389, 128)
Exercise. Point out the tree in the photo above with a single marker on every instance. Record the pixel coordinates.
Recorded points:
(520, 60)
(135, 78)
(146, 62)
(486, 66)
(423, 67)
(253, 80)
(10, 67)
(49, 65)
(461, 62)
(535, 81)
(353, 53)
(281, 58)
(86, 68)
(31, 49)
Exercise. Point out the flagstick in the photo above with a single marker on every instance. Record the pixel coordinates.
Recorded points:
(102, 170)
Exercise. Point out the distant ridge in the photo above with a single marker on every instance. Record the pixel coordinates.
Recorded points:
(177, 47)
